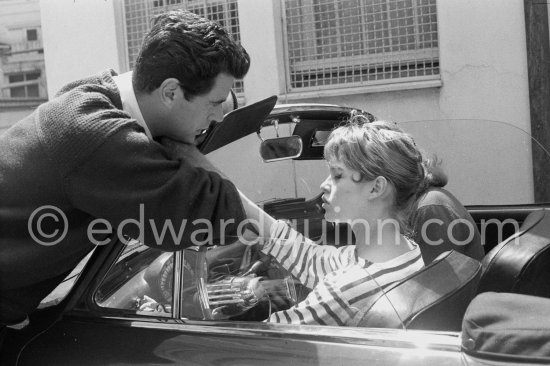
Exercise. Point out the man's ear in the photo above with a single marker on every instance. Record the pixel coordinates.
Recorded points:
(380, 188)
(169, 91)
(231, 103)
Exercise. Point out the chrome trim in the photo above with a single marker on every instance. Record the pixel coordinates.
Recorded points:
(488, 209)
(288, 108)
(373, 337)
(176, 289)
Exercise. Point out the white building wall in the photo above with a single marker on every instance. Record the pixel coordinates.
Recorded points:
(483, 76)
(260, 27)
(81, 38)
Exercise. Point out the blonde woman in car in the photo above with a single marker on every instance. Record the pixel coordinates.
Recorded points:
(374, 175)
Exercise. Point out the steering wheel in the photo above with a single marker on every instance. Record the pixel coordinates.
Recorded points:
(203, 269)
(166, 280)
(159, 277)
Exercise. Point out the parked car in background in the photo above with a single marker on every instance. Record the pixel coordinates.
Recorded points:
(207, 305)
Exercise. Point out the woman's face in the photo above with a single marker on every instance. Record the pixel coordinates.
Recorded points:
(344, 196)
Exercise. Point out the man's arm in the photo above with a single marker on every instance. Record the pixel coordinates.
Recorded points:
(180, 150)
(168, 203)
(193, 156)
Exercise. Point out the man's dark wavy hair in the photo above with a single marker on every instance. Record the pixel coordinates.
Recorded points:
(192, 49)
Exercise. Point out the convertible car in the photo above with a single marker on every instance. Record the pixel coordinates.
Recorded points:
(130, 304)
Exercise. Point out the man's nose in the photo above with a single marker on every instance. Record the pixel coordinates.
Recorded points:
(218, 114)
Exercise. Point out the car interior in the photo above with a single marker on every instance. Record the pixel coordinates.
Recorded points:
(434, 298)
(520, 263)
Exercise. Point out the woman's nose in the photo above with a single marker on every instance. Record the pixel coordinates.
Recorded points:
(325, 186)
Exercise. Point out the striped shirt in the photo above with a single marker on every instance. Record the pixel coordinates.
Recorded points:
(343, 285)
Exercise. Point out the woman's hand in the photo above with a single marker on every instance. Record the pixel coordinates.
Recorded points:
(150, 304)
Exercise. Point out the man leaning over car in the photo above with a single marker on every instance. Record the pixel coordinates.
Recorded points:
(92, 152)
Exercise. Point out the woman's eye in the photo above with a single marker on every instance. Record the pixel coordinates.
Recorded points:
(337, 176)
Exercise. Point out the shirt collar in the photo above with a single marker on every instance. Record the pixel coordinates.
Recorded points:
(129, 101)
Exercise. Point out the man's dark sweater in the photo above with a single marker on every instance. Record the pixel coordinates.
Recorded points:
(82, 154)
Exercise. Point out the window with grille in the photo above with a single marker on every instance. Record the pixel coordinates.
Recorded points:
(139, 13)
(349, 43)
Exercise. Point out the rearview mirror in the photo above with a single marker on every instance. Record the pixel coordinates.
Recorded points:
(281, 148)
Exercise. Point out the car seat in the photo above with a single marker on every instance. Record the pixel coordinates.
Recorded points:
(521, 263)
(433, 298)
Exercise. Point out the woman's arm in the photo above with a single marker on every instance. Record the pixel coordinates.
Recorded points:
(325, 305)
(307, 261)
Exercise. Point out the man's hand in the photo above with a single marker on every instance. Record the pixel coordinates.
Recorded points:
(189, 153)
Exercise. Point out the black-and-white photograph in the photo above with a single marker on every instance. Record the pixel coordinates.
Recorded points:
(275, 182)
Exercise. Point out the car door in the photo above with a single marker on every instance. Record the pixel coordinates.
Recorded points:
(110, 323)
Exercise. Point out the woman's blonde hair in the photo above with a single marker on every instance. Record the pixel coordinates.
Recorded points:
(381, 148)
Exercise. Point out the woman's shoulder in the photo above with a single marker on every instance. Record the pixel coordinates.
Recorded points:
(412, 257)
(435, 195)
(440, 203)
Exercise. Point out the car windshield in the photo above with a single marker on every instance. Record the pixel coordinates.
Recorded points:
(488, 162)
(503, 152)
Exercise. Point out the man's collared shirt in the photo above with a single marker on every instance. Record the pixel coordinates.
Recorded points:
(129, 101)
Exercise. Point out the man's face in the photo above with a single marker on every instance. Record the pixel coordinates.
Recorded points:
(190, 117)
